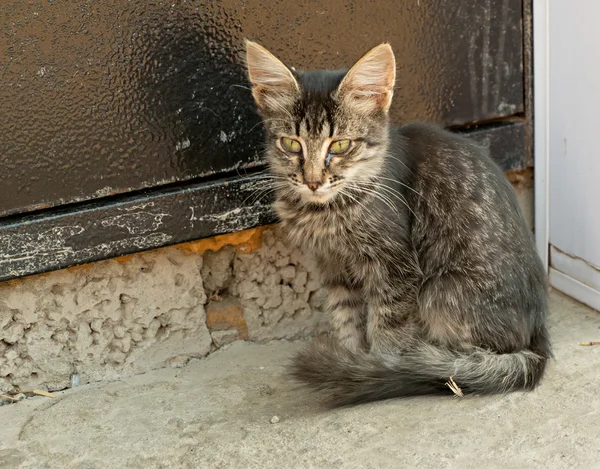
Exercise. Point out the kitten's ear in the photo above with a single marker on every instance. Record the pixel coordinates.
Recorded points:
(369, 84)
(273, 84)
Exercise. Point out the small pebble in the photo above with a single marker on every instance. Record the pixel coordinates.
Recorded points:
(74, 380)
(275, 419)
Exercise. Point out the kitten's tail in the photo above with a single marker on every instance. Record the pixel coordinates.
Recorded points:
(346, 377)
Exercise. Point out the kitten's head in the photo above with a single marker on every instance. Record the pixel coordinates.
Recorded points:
(327, 131)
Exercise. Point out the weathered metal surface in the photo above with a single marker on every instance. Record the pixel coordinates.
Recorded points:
(528, 77)
(95, 231)
(507, 142)
(103, 98)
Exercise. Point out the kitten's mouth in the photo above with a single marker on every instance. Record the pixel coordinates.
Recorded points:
(320, 196)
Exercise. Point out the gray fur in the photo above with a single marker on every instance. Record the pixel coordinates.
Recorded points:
(431, 270)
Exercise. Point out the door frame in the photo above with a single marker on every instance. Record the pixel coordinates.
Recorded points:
(541, 126)
(541, 93)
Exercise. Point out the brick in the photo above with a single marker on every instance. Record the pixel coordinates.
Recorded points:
(226, 314)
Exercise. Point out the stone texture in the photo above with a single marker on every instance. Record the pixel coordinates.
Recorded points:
(221, 338)
(101, 321)
(280, 291)
(277, 289)
(137, 313)
(217, 269)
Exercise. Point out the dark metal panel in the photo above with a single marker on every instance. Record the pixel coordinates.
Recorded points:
(96, 231)
(528, 77)
(102, 98)
(507, 142)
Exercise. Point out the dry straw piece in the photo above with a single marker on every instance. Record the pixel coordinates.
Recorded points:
(37, 392)
(454, 387)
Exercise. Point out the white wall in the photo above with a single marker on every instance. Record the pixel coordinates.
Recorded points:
(573, 106)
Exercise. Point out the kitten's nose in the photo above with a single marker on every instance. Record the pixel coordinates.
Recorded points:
(314, 185)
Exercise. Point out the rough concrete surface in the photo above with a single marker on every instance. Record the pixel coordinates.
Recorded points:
(126, 316)
(102, 320)
(216, 412)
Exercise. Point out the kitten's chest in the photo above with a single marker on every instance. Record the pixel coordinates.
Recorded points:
(324, 234)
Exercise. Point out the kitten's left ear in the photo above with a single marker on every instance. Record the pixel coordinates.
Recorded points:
(273, 84)
(369, 85)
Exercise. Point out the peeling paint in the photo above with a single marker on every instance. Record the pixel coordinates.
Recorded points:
(237, 218)
(27, 264)
(183, 144)
(21, 244)
(138, 206)
(103, 192)
(136, 222)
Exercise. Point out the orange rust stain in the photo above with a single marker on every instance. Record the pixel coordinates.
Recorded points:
(16, 281)
(125, 259)
(245, 241)
(75, 268)
(521, 178)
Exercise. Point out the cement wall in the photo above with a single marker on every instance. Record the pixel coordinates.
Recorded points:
(161, 308)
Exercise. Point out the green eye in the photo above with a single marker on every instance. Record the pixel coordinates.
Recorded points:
(290, 145)
(339, 147)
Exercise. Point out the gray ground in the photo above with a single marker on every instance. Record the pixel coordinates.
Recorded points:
(217, 412)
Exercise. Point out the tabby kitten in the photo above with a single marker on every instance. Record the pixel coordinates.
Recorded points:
(430, 269)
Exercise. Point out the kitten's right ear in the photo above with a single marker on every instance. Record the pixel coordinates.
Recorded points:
(369, 85)
(273, 84)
